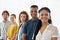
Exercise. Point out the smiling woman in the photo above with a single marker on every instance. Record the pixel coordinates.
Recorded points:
(16, 6)
(47, 31)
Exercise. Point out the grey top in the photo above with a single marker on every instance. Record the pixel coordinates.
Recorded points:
(29, 28)
(3, 29)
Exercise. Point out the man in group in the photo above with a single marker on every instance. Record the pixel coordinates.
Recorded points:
(4, 25)
(31, 25)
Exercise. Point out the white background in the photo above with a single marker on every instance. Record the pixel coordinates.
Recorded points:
(16, 6)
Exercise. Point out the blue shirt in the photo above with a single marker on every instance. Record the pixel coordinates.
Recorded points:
(20, 32)
(29, 28)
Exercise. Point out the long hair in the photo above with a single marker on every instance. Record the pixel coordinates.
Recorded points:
(27, 17)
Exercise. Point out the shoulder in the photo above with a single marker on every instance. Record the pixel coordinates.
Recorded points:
(16, 25)
(28, 22)
(1, 23)
(52, 27)
(39, 23)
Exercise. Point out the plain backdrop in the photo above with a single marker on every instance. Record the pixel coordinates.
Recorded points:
(16, 6)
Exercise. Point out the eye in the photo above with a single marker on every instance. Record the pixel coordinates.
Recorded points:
(23, 16)
(46, 14)
(31, 11)
(35, 11)
(41, 14)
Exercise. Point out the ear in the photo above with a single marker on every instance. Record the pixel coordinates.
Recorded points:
(49, 16)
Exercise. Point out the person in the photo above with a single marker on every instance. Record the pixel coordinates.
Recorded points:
(23, 18)
(47, 31)
(30, 25)
(12, 29)
(4, 25)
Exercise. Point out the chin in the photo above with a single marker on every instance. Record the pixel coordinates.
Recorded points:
(44, 21)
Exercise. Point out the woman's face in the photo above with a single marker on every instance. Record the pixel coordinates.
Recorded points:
(44, 16)
(23, 17)
(12, 18)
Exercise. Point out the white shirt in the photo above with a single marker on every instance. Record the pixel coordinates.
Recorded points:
(49, 32)
(3, 29)
(20, 32)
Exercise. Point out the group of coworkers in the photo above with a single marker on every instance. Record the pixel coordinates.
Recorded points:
(36, 28)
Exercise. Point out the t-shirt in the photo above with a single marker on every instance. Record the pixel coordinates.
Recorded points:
(49, 32)
(3, 29)
(12, 29)
(29, 28)
(20, 32)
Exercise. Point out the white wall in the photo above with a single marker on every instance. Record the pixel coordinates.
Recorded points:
(16, 6)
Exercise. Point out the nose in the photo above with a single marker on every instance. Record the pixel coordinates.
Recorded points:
(33, 12)
(44, 16)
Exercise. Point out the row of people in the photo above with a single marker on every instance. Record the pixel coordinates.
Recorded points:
(37, 28)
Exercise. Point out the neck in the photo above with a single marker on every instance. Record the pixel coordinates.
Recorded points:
(34, 18)
(23, 22)
(13, 22)
(45, 24)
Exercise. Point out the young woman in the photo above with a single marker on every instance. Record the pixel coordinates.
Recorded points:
(23, 18)
(12, 29)
(47, 30)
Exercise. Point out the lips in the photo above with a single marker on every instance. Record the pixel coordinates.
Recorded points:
(44, 19)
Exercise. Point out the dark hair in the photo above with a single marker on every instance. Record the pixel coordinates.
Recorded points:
(13, 15)
(46, 8)
(5, 11)
(34, 6)
(23, 12)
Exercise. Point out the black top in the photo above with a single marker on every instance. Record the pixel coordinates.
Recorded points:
(37, 30)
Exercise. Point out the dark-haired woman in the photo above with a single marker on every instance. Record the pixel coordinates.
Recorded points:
(23, 18)
(47, 30)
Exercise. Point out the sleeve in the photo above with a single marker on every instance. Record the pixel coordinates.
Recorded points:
(17, 32)
(16, 28)
(55, 32)
(25, 28)
(16, 36)
(7, 34)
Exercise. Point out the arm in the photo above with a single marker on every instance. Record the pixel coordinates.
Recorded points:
(15, 32)
(54, 38)
(24, 35)
(7, 33)
(55, 34)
